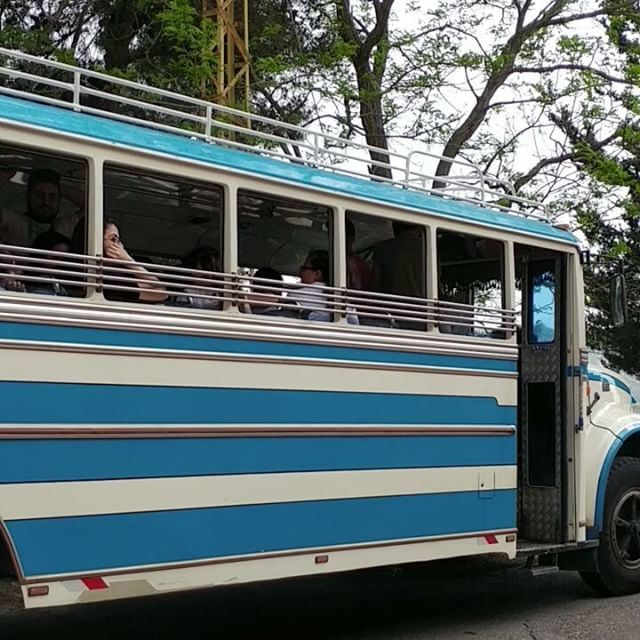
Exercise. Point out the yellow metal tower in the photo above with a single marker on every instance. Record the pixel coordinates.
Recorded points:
(232, 78)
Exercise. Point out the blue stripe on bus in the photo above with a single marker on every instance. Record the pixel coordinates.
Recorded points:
(146, 138)
(69, 403)
(96, 543)
(149, 340)
(605, 469)
(103, 459)
(616, 382)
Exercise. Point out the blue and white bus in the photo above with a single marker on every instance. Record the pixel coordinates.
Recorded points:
(221, 364)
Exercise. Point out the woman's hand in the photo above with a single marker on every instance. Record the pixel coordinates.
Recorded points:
(116, 251)
(150, 289)
(11, 283)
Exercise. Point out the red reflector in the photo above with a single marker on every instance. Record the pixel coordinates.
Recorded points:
(322, 559)
(94, 583)
(42, 590)
(491, 539)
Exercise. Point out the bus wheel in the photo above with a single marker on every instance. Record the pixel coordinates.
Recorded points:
(619, 550)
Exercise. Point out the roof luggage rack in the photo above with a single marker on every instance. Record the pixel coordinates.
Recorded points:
(100, 94)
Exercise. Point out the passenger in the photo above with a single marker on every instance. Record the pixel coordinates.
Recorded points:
(455, 319)
(398, 263)
(150, 290)
(200, 259)
(43, 206)
(359, 273)
(54, 242)
(266, 302)
(9, 272)
(398, 269)
(311, 296)
(10, 280)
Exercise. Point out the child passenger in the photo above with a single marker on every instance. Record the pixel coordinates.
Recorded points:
(200, 294)
(266, 298)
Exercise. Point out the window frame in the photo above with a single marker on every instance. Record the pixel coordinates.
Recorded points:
(109, 163)
(38, 148)
(506, 265)
(426, 226)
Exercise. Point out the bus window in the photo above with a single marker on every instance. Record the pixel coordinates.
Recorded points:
(42, 201)
(291, 238)
(542, 303)
(386, 259)
(162, 239)
(470, 284)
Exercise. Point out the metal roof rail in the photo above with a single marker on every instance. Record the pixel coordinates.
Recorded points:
(100, 94)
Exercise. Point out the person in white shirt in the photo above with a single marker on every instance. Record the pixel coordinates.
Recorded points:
(312, 297)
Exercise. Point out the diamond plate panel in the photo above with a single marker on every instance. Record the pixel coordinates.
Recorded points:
(541, 507)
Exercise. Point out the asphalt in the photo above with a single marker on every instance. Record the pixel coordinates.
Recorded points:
(458, 600)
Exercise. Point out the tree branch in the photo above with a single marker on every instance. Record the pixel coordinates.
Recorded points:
(571, 67)
(562, 157)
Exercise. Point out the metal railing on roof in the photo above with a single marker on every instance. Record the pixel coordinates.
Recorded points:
(101, 94)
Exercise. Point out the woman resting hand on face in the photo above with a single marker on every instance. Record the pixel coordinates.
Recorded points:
(150, 290)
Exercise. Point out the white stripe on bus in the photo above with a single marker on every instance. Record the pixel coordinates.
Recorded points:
(84, 498)
(34, 366)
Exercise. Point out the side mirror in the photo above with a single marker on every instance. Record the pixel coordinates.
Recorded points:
(618, 300)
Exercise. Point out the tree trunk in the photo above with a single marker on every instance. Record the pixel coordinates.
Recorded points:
(369, 75)
(372, 118)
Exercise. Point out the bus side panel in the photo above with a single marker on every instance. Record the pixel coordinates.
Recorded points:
(121, 455)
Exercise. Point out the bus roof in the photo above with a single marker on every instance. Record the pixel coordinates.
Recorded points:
(139, 137)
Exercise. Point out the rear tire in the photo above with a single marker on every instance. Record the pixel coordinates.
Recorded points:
(619, 551)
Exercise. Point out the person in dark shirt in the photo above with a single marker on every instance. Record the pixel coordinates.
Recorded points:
(399, 269)
(43, 199)
(399, 262)
(149, 289)
(263, 300)
(53, 242)
(199, 295)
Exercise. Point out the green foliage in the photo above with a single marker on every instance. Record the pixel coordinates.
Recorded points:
(163, 42)
(574, 45)
(35, 41)
(615, 167)
(188, 44)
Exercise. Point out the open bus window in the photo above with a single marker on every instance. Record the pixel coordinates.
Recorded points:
(471, 288)
(42, 202)
(291, 238)
(386, 271)
(162, 239)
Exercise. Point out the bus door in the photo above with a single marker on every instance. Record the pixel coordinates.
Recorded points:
(541, 396)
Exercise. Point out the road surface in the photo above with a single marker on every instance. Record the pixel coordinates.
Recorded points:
(446, 601)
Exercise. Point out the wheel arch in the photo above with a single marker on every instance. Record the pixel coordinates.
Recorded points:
(9, 563)
(627, 443)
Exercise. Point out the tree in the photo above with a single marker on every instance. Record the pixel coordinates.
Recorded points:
(470, 78)
(161, 42)
(476, 80)
(368, 49)
(604, 136)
